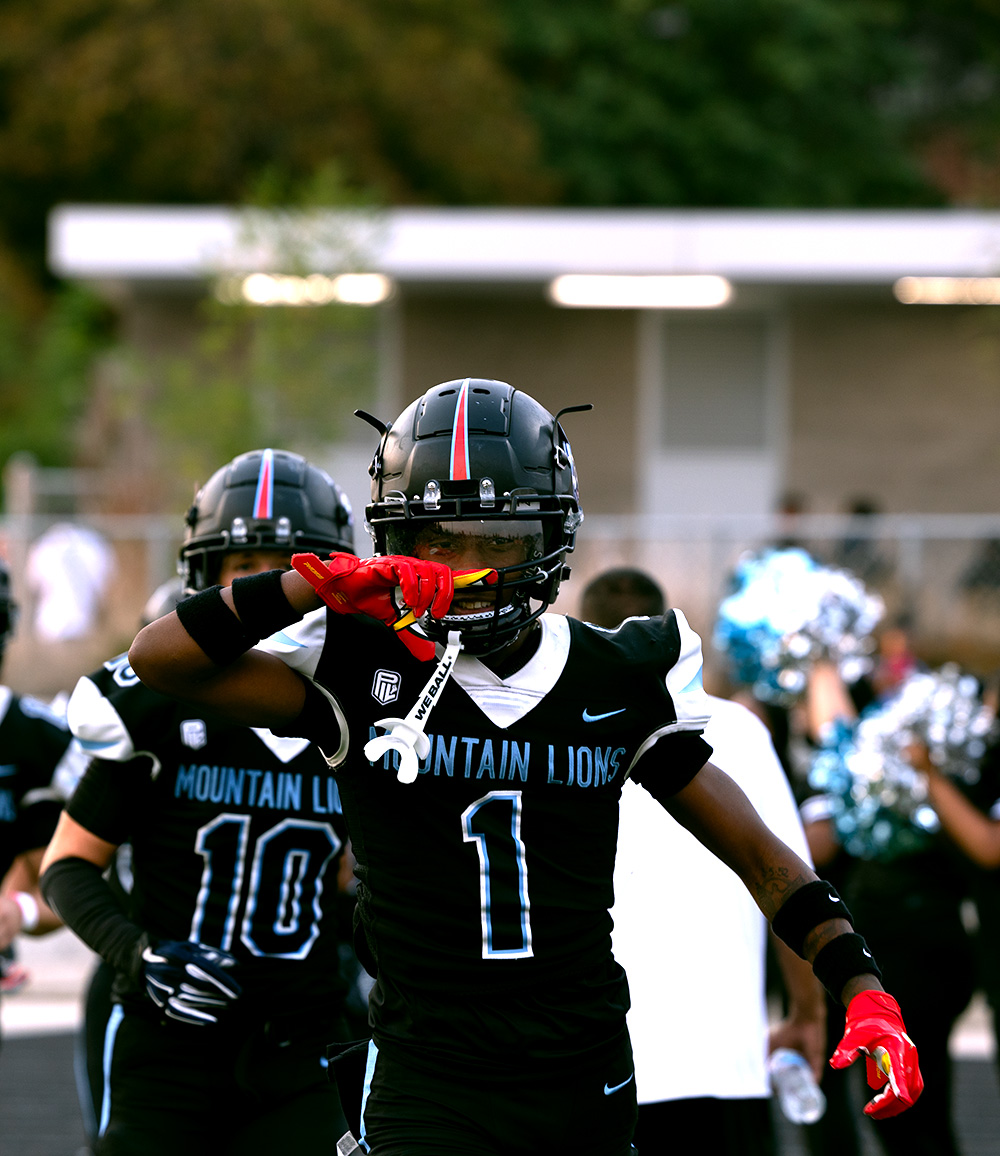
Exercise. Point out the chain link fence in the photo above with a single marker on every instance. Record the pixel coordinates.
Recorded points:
(939, 576)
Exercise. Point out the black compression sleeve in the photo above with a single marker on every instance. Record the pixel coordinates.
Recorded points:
(215, 628)
(261, 603)
(805, 909)
(77, 892)
(688, 753)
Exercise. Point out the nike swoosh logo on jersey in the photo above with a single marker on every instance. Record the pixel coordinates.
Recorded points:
(588, 717)
(609, 1091)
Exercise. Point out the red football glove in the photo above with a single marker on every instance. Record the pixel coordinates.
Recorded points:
(351, 585)
(875, 1027)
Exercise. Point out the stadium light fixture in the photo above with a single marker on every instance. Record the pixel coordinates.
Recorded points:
(644, 291)
(315, 289)
(947, 290)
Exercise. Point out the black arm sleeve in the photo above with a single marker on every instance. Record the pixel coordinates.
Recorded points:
(688, 754)
(77, 892)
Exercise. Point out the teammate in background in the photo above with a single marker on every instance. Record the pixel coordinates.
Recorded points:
(485, 861)
(725, 1103)
(39, 765)
(226, 960)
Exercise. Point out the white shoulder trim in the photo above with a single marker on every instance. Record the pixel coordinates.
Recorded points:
(301, 644)
(6, 698)
(685, 687)
(684, 681)
(337, 757)
(507, 701)
(96, 724)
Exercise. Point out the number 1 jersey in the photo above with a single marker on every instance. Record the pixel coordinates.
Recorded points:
(485, 884)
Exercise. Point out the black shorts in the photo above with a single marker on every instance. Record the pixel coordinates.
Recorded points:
(408, 1111)
(722, 1127)
(179, 1090)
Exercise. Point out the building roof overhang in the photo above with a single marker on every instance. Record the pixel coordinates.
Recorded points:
(436, 245)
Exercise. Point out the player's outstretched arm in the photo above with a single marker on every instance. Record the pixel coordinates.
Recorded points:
(717, 812)
(809, 916)
(203, 653)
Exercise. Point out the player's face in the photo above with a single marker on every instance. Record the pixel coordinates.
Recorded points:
(477, 546)
(242, 563)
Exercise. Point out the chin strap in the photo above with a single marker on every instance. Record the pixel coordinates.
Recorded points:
(406, 735)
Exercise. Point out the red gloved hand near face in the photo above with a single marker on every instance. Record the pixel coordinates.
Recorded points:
(351, 585)
(875, 1027)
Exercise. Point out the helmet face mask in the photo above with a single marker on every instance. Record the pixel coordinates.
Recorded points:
(476, 474)
(263, 500)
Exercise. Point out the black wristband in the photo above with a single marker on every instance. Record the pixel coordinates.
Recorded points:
(79, 894)
(842, 959)
(805, 909)
(215, 628)
(261, 603)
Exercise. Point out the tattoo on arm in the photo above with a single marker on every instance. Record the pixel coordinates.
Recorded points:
(774, 887)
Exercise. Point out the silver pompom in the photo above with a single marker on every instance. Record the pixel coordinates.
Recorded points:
(785, 613)
(879, 802)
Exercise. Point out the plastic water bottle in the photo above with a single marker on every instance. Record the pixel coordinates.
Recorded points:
(792, 1082)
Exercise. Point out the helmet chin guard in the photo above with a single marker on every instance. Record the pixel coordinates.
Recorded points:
(480, 457)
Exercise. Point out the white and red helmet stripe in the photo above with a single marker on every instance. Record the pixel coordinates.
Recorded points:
(460, 467)
(263, 503)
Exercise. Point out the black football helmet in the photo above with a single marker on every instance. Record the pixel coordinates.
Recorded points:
(480, 451)
(263, 500)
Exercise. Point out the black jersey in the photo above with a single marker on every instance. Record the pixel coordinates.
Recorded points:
(486, 883)
(39, 766)
(236, 834)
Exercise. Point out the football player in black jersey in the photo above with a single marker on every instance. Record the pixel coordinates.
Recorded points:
(226, 955)
(484, 818)
(39, 765)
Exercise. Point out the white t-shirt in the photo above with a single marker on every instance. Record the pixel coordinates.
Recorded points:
(68, 570)
(689, 935)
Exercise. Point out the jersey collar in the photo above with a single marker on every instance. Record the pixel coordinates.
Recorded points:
(507, 701)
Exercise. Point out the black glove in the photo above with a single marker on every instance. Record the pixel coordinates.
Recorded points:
(189, 981)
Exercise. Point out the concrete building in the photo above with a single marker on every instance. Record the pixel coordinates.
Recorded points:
(848, 355)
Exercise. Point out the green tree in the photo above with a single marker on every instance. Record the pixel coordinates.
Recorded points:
(44, 361)
(184, 101)
(751, 103)
(949, 102)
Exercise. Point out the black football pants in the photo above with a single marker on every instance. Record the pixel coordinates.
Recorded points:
(178, 1090)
